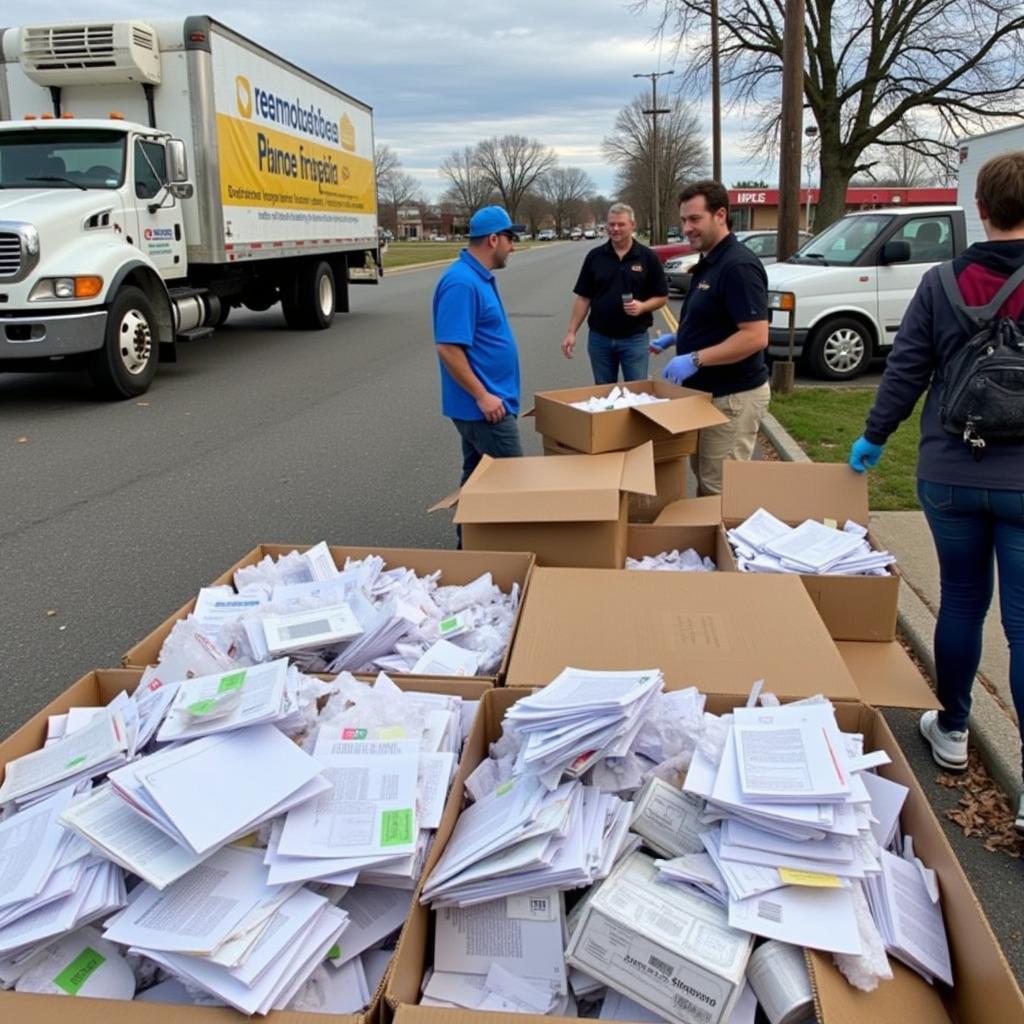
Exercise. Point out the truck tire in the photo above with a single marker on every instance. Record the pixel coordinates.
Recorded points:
(308, 301)
(839, 349)
(126, 364)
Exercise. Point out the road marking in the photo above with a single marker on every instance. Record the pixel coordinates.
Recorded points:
(673, 323)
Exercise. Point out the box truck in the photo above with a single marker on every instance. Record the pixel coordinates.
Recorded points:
(155, 174)
(973, 152)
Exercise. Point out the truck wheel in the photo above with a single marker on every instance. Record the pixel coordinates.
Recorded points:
(840, 349)
(308, 300)
(222, 317)
(126, 364)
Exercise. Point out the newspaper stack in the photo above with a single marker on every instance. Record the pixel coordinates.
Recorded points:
(763, 543)
(354, 619)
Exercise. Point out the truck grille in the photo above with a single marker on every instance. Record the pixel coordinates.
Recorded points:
(10, 254)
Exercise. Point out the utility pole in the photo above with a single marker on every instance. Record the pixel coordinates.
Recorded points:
(716, 99)
(654, 112)
(789, 134)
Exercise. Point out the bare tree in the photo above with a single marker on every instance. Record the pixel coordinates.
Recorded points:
(869, 67)
(565, 188)
(512, 164)
(395, 188)
(468, 187)
(682, 155)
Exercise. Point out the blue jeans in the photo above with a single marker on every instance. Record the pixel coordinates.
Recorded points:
(608, 354)
(499, 440)
(974, 528)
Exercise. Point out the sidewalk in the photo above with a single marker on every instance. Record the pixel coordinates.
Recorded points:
(992, 724)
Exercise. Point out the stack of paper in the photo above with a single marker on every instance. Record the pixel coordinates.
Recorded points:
(617, 398)
(579, 718)
(763, 543)
(92, 751)
(904, 901)
(225, 930)
(354, 619)
(211, 790)
(672, 561)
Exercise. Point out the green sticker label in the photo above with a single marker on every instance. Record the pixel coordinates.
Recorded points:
(334, 952)
(201, 707)
(231, 682)
(78, 972)
(447, 625)
(396, 827)
(75, 761)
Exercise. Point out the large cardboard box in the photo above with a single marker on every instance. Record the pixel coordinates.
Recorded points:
(100, 687)
(853, 607)
(681, 417)
(506, 568)
(985, 990)
(569, 511)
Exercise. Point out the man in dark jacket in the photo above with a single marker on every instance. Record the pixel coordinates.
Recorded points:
(974, 507)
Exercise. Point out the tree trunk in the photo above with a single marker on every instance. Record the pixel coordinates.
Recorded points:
(835, 179)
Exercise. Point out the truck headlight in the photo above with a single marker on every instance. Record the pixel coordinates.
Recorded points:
(85, 286)
(785, 301)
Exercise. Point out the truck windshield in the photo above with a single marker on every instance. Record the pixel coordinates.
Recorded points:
(62, 158)
(843, 242)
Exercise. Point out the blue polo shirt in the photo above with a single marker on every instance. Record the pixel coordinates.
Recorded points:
(468, 312)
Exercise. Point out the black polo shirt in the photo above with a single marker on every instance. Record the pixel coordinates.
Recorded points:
(728, 287)
(604, 279)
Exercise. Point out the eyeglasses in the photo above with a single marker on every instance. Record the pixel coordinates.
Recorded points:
(508, 234)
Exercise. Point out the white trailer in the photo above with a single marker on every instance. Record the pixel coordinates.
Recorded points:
(111, 251)
(974, 151)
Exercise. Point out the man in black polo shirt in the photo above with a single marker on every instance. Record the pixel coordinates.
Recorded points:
(723, 331)
(621, 284)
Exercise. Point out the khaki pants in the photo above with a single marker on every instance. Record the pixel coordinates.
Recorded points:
(732, 440)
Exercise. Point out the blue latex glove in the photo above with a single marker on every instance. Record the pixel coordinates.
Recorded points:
(865, 455)
(681, 368)
(662, 343)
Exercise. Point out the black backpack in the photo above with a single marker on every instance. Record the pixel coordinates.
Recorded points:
(982, 389)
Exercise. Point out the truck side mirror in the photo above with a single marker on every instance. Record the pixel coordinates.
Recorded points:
(896, 250)
(177, 161)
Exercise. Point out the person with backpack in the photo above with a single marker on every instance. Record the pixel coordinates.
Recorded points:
(962, 341)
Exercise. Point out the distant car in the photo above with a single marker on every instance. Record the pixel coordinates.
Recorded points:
(673, 235)
(526, 237)
(761, 243)
(590, 233)
(576, 234)
(546, 235)
(438, 238)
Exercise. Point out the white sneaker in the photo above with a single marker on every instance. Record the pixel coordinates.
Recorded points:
(949, 749)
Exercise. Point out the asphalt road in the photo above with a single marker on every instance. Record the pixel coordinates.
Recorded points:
(113, 515)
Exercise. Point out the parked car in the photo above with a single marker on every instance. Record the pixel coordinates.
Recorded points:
(589, 233)
(761, 243)
(673, 235)
(546, 235)
(576, 234)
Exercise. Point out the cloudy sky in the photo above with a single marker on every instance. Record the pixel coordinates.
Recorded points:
(441, 75)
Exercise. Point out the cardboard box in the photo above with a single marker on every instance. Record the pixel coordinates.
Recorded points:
(100, 687)
(853, 607)
(652, 539)
(569, 511)
(456, 567)
(706, 511)
(985, 989)
(668, 450)
(681, 417)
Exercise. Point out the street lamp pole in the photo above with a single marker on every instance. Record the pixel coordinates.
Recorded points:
(654, 112)
(810, 133)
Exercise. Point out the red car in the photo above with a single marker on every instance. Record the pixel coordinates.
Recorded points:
(667, 251)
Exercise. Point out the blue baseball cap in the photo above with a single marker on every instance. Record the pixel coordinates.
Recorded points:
(492, 220)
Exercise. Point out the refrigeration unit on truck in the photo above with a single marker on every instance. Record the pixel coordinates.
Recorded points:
(972, 152)
(155, 174)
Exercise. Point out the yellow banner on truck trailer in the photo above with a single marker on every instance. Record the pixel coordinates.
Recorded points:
(260, 166)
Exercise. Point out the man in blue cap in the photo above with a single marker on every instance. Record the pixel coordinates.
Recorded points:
(477, 352)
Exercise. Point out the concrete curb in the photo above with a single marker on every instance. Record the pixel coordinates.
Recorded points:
(994, 734)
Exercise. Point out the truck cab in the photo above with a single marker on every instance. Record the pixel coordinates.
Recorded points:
(848, 287)
(89, 209)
